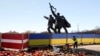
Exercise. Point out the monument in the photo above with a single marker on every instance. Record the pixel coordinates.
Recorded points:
(58, 20)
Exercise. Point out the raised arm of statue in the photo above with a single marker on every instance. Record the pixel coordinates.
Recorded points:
(51, 8)
(50, 4)
(46, 17)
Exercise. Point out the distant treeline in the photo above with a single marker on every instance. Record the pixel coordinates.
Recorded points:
(96, 31)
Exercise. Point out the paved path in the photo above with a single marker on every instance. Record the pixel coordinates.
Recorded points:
(91, 47)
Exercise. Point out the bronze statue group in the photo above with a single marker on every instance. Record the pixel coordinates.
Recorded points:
(56, 21)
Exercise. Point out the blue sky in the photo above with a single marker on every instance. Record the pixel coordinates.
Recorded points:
(24, 15)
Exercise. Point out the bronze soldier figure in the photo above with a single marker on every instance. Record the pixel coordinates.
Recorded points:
(51, 21)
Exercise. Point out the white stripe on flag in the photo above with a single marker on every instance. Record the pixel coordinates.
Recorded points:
(14, 41)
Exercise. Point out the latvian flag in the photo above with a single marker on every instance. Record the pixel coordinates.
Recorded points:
(14, 41)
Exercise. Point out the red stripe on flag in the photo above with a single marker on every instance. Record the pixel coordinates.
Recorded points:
(14, 36)
(25, 36)
(25, 45)
(14, 45)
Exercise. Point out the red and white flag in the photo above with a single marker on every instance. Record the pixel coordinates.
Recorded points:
(15, 41)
